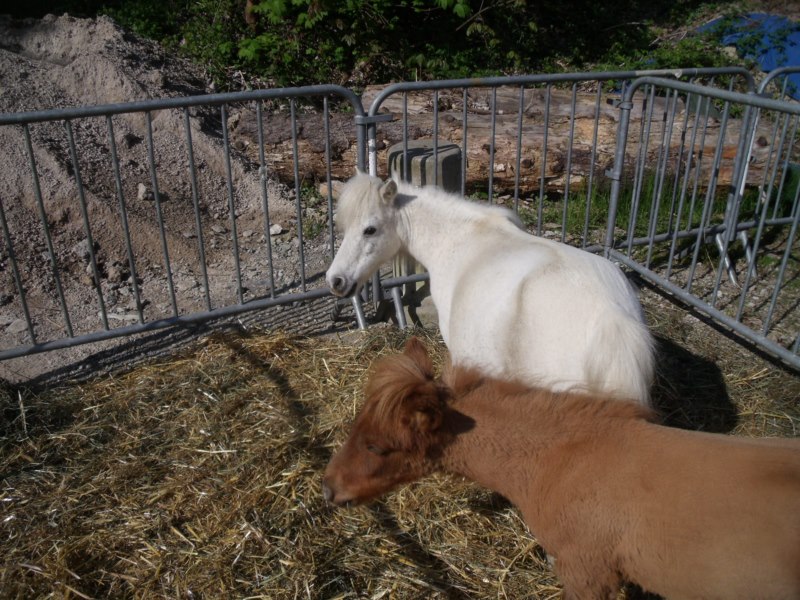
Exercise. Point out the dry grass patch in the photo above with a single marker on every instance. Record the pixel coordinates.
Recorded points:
(198, 476)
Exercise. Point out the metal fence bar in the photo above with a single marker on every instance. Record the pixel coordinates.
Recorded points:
(37, 190)
(592, 162)
(262, 180)
(435, 137)
(237, 268)
(297, 199)
(87, 228)
(326, 118)
(12, 258)
(123, 216)
(493, 111)
(543, 169)
(201, 249)
(518, 161)
(565, 211)
(159, 214)
(639, 174)
(463, 140)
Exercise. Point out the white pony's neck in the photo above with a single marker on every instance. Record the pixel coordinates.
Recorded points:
(436, 227)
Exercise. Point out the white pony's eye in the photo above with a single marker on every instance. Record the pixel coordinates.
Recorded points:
(369, 230)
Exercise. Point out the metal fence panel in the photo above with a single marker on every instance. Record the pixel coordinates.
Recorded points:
(539, 144)
(197, 231)
(713, 218)
(693, 186)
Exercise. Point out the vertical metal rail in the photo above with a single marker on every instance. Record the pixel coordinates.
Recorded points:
(298, 204)
(406, 165)
(570, 144)
(639, 174)
(519, 147)
(435, 138)
(263, 175)
(493, 110)
(543, 170)
(592, 163)
(733, 204)
(123, 217)
(223, 115)
(37, 190)
(12, 258)
(328, 177)
(159, 215)
(198, 225)
(464, 142)
(87, 228)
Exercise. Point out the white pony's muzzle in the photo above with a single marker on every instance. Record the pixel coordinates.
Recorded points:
(340, 285)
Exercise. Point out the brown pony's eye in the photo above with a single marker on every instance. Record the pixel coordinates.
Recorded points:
(377, 449)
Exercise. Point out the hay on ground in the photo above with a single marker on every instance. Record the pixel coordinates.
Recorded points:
(198, 476)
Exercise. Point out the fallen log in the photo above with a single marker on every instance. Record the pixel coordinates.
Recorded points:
(566, 136)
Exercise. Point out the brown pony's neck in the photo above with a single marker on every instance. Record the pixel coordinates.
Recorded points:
(517, 435)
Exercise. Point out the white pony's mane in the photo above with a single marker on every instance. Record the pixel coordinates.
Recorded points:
(359, 195)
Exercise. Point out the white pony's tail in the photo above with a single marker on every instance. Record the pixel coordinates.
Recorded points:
(622, 358)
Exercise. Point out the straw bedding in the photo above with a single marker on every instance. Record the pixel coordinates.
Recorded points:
(198, 476)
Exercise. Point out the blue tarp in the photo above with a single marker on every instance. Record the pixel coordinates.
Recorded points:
(769, 40)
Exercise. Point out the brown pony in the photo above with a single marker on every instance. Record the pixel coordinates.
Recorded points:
(611, 496)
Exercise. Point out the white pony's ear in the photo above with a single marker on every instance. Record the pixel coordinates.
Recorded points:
(360, 172)
(388, 191)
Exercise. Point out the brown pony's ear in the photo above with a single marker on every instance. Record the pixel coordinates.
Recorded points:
(427, 420)
(416, 351)
(423, 409)
(388, 192)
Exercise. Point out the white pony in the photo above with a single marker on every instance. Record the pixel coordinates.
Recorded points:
(511, 304)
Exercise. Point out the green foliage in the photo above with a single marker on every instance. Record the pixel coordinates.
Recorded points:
(357, 42)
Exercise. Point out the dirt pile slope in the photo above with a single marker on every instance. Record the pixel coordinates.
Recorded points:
(64, 62)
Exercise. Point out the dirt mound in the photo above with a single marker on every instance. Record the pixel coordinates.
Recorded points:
(64, 62)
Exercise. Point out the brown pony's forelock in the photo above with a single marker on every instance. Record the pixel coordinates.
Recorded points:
(396, 389)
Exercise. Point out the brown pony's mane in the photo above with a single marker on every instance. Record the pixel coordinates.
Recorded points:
(401, 387)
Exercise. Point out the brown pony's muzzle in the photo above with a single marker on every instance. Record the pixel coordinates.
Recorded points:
(331, 497)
